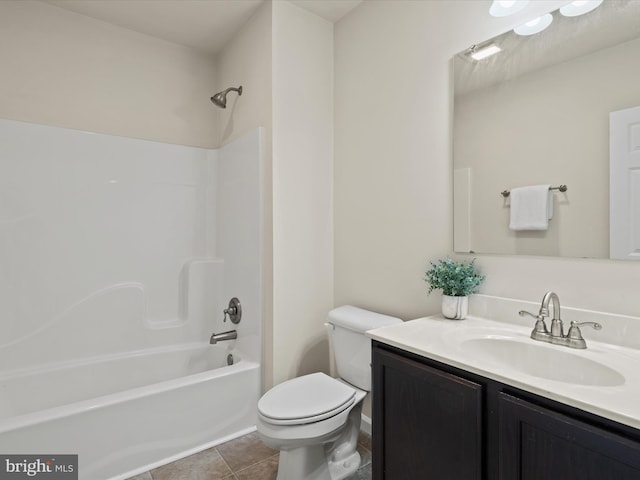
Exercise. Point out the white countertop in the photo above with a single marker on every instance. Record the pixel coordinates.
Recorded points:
(443, 340)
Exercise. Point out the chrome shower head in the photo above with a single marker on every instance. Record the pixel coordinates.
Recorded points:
(220, 99)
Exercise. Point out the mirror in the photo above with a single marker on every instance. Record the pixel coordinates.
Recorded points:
(538, 113)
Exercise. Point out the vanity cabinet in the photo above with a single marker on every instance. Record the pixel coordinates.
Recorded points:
(537, 443)
(432, 421)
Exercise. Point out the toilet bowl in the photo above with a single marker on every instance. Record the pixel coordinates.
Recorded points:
(300, 416)
(314, 420)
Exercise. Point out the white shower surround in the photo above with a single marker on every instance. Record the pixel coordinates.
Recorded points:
(115, 250)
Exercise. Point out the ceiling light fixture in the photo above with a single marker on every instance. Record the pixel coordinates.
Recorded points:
(504, 8)
(579, 7)
(534, 26)
(480, 53)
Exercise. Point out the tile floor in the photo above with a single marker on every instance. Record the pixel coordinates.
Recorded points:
(244, 458)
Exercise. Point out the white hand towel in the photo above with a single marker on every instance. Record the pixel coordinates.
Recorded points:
(531, 208)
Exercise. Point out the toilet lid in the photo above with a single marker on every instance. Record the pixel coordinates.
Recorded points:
(306, 399)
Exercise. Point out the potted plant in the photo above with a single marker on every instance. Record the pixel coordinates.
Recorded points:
(457, 280)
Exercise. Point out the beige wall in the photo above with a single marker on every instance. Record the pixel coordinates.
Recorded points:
(283, 57)
(561, 137)
(391, 183)
(246, 60)
(64, 69)
(302, 190)
(393, 179)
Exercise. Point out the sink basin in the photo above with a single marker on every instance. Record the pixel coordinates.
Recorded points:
(539, 360)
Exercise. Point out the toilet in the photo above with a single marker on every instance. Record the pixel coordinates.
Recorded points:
(314, 420)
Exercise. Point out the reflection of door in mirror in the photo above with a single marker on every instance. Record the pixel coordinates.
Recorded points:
(624, 158)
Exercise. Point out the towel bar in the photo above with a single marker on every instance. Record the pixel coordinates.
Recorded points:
(562, 188)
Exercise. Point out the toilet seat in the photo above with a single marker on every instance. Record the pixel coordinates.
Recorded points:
(307, 399)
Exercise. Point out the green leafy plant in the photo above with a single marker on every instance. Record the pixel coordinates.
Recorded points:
(456, 279)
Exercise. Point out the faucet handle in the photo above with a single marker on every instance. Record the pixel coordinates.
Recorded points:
(574, 330)
(234, 311)
(522, 313)
(539, 331)
(574, 337)
(540, 325)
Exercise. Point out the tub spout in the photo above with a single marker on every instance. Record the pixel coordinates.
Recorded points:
(218, 337)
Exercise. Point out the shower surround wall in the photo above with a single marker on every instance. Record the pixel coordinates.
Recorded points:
(114, 248)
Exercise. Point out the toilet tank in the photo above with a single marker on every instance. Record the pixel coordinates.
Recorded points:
(351, 347)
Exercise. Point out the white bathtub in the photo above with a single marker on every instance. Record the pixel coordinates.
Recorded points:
(127, 413)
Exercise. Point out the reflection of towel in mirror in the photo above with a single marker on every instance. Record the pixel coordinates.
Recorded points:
(531, 207)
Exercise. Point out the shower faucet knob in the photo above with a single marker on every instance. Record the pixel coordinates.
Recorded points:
(234, 310)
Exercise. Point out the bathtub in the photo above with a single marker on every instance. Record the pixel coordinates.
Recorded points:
(127, 413)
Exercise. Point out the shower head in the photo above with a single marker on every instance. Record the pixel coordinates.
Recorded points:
(220, 99)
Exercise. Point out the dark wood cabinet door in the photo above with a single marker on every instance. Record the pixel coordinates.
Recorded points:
(540, 444)
(427, 424)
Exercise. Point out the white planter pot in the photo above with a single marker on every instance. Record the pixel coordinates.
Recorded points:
(455, 308)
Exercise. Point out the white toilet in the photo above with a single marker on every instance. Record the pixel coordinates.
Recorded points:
(314, 420)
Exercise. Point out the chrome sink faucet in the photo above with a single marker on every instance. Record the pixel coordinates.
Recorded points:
(573, 339)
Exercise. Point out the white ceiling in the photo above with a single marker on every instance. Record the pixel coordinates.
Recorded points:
(205, 25)
(332, 10)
